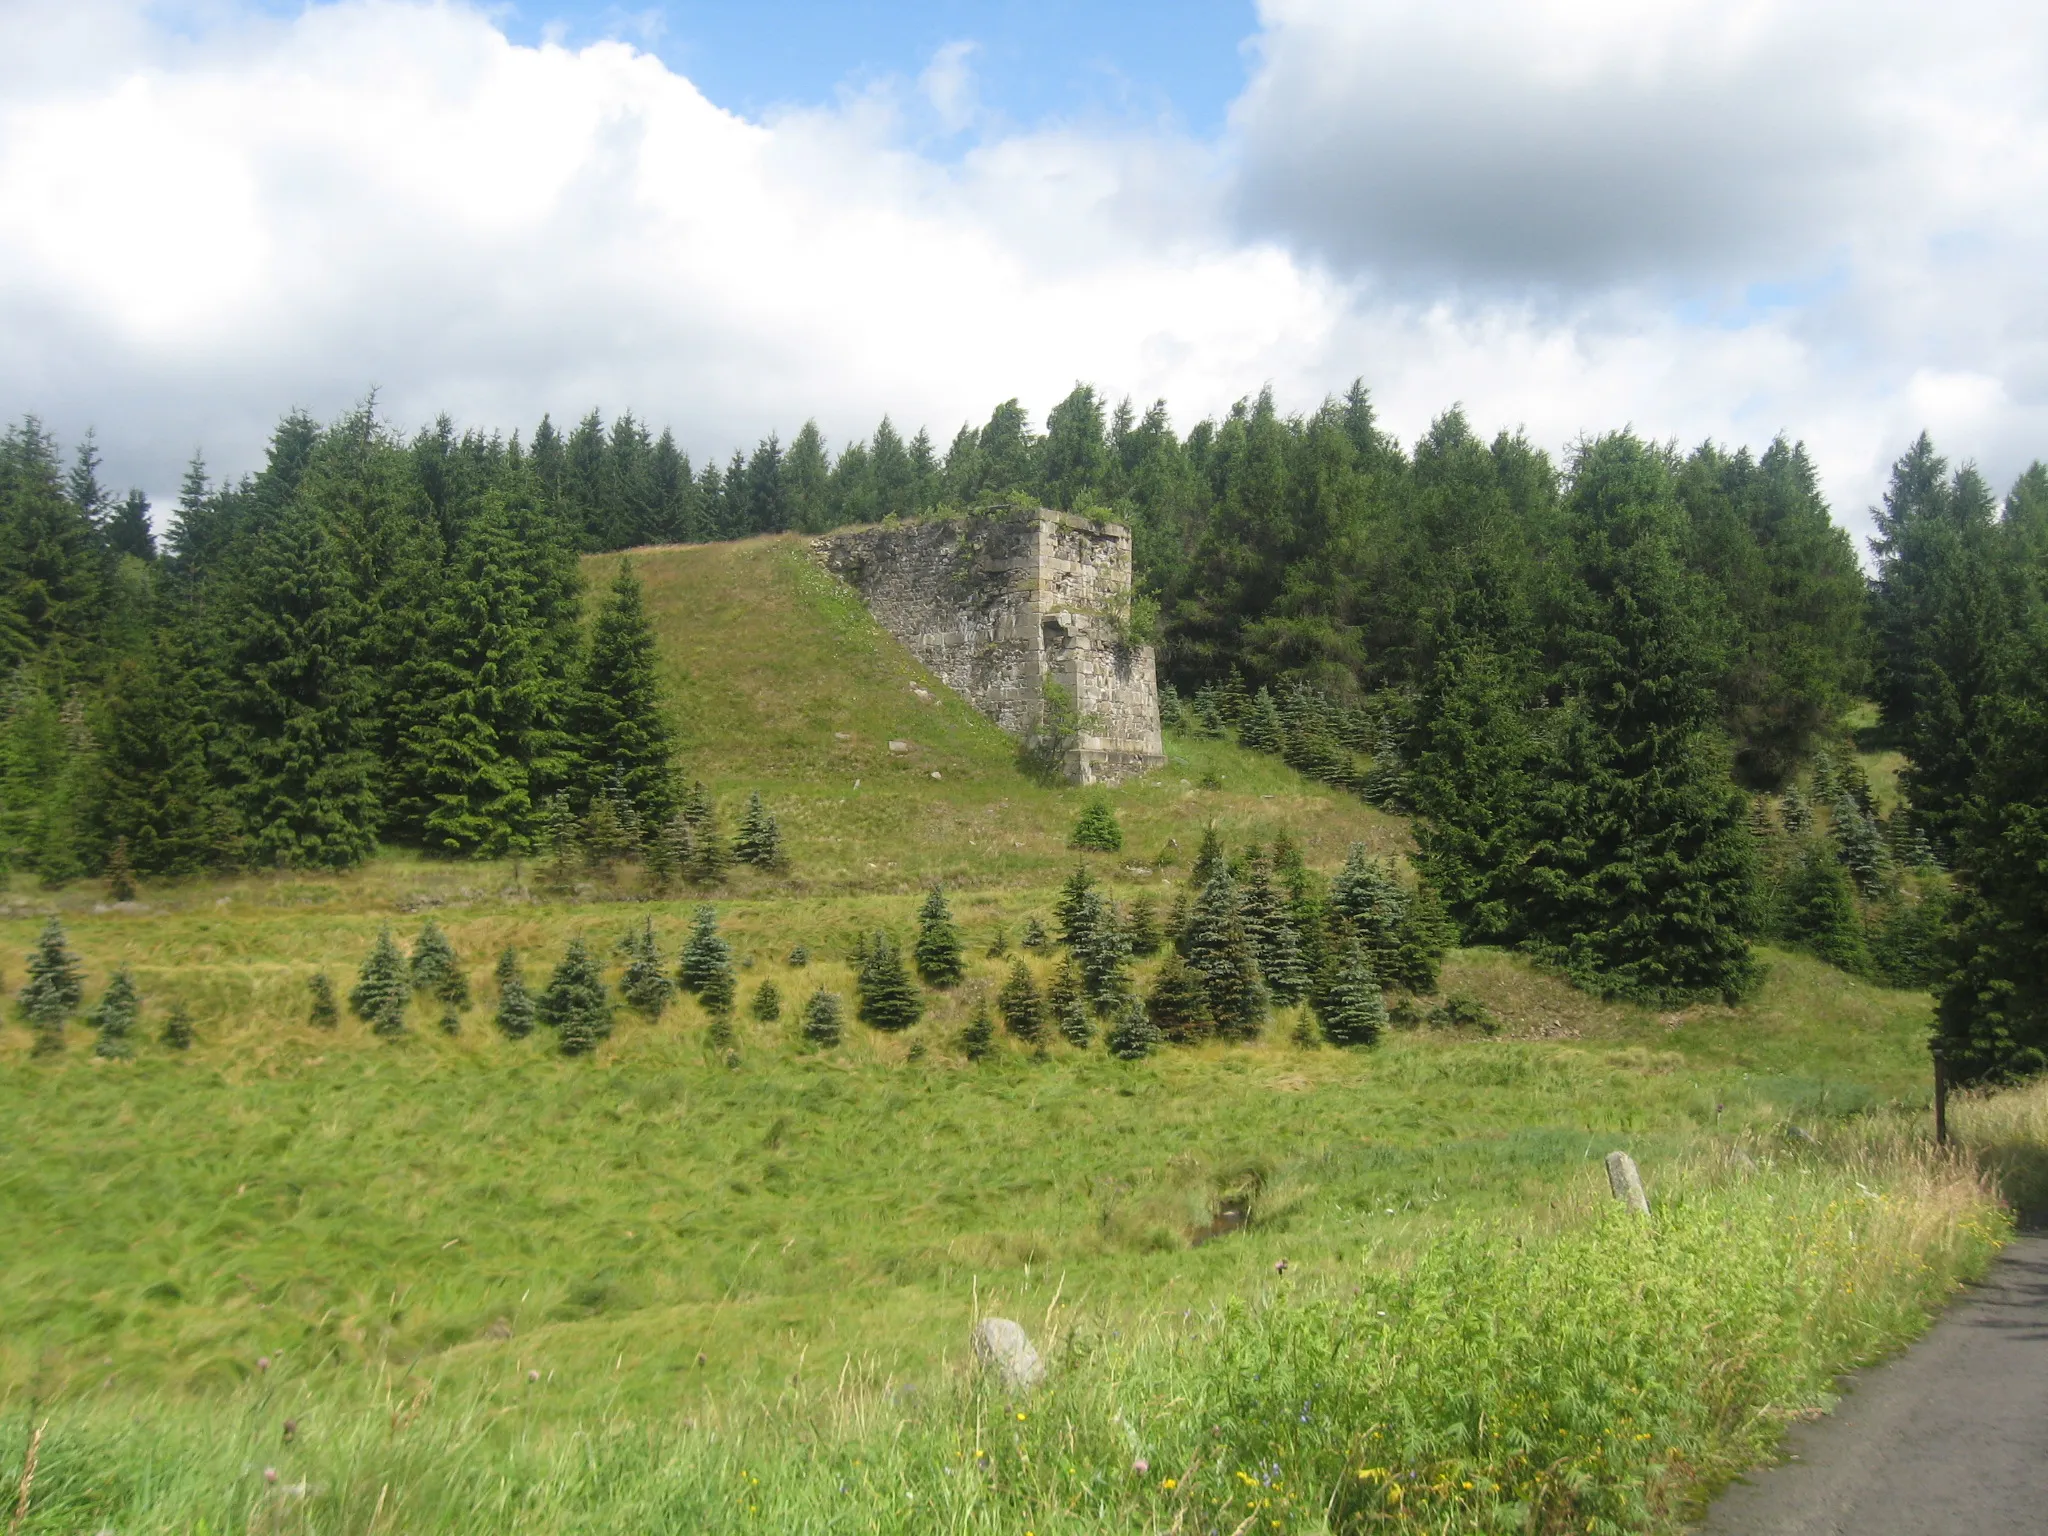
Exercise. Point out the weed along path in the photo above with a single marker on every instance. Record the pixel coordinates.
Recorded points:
(1952, 1437)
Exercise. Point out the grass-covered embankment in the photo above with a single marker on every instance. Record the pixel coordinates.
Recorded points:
(1587, 1371)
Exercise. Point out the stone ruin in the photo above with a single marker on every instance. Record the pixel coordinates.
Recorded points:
(1002, 603)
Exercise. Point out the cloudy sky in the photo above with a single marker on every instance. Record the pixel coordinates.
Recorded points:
(1717, 219)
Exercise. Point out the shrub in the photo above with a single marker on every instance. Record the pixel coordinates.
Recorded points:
(822, 1019)
(1096, 829)
(884, 997)
(937, 951)
(1035, 939)
(1022, 1009)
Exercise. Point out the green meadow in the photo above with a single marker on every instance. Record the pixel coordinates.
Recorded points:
(304, 1279)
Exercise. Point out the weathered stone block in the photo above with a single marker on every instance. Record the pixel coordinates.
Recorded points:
(1000, 605)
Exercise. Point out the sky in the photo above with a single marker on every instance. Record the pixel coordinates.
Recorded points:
(1721, 220)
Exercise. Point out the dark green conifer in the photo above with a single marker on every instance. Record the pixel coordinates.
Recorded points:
(54, 988)
(1072, 895)
(324, 1013)
(605, 839)
(719, 995)
(1352, 1008)
(1820, 910)
(1035, 939)
(177, 1031)
(436, 970)
(1288, 867)
(884, 997)
(999, 943)
(709, 857)
(1132, 1037)
(767, 1004)
(1798, 813)
(575, 1004)
(1270, 927)
(1177, 1004)
(668, 852)
(937, 951)
(1066, 1006)
(1220, 952)
(1102, 953)
(1860, 845)
(382, 980)
(1022, 1009)
(1260, 729)
(1141, 927)
(645, 984)
(1209, 858)
(1096, 829)
(799, 957)
(451, 1022)
(822, 1019)
(705, 953)
(978, 1040)
(760, 839)
(516, 1009)
(620, 725)
(114, 1018)
(1172, 714)
(120, 873)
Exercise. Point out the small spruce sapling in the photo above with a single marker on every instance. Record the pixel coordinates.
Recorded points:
(516, 1011)
(1097, 829)
(1066, 1006)
(1141, 927)
(704, 954)
(1035, 938)
(114, 1018)
(884, 997)
(1177, 1006)
(1073, 893)
(435, 969)
(937, 952)
(760, 839)
(823, 1019)
(575, 1004)
(799, 957)
(54, 988)
(1133, 1036)
(1218, 949)
(1352, 1008)
(322, 1013)
(999, 943)
(381, 982)
(1022, 1009)
(645, 985)
(767, 1004)
(1209, 858)
(978, 1040)
(177, 1033)
(451, 1022)
(120, 873)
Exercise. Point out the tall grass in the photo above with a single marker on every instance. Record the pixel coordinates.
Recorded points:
(1591, 1372)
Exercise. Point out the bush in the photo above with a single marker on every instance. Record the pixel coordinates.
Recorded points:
(1097, 830)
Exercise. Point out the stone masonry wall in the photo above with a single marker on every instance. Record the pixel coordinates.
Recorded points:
(999, 605)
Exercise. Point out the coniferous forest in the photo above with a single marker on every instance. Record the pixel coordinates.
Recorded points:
(1619, 693)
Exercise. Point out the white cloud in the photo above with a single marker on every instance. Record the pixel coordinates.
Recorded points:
(1558, 215)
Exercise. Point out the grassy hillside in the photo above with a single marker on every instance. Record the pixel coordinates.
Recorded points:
(320, 1224)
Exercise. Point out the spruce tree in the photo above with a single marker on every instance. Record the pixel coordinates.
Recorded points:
(1798, 813)
(1260, 729)
(575, 1004)
(978, 1040)
(1819, 910)
(645, 984)
(323, 1012)
(1270, 928)
(516, 1009)
(1141, 927)
(619, 723)
(155, 797)
(1177, 1004)
(937, 951)
(1132, 1037)
(120, 873)
(1352, 1008)
(54, 988)
(114, 1018)
(822, 1019)
(1067, 1007)
(1096, 829)
(720, 995)
(1022, 1009)
(760, 840)
(1103, 954)
(884, 997)
(999, 943)
(177, 1032)
(605, 837)
(1859, 844)
(1035, 938)
(767, 1004)
(1209, 858)
(705, 953)
(1219, 951)
(709, 856)
(1073, 894)
(669, 852)
(436, 970)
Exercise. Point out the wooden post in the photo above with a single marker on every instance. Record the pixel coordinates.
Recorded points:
(1940, 1102)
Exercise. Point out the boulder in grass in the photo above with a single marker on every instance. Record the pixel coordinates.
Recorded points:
(1004, 1349)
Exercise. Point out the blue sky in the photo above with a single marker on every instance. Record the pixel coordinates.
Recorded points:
(1034, 60)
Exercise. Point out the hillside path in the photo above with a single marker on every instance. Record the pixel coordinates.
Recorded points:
(1951, 1437)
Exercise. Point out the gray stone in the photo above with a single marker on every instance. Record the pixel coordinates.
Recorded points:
(1004, 1349)
(1626, 1183)
(899, 747)
(1001, 604)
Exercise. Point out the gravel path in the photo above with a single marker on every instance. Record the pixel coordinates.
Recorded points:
(1952, 1437)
